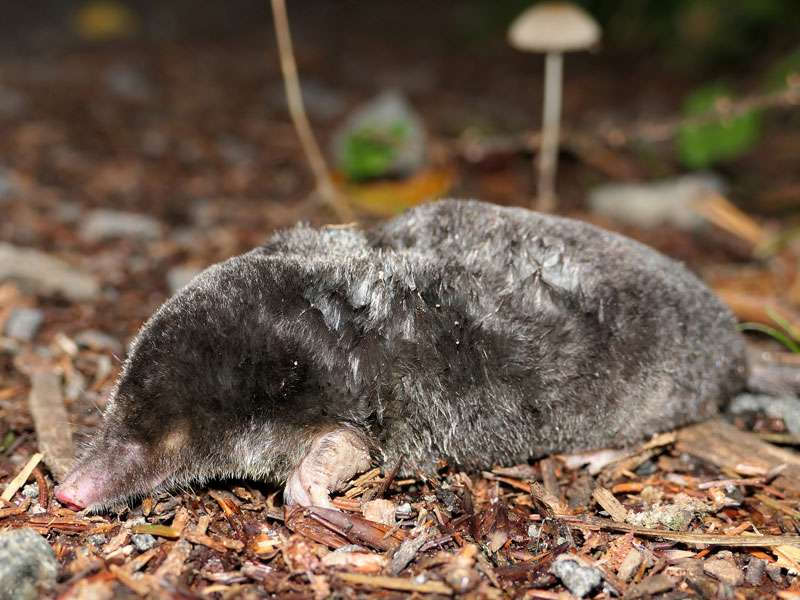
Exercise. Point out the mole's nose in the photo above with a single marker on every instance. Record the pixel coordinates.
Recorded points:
(66, 496)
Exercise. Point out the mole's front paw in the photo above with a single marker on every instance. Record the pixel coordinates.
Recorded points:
(334, 458)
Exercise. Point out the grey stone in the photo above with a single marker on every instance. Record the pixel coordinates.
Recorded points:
(24, 323)
(11, 101)
(580, 580)
(785, 408)
(178, 277)
(28, 566)
(30, 491)
(321, 101)
(105, 224)
(127, 83)
(143, 541)
(97, 340)
(754, 573)
(654, 204)
(6, 185)
(97, 539)
(725, 570)
(43, 274)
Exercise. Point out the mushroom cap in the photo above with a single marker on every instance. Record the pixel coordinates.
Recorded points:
(553, 27)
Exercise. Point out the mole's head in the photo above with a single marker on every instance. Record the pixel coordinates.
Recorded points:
(207, 368)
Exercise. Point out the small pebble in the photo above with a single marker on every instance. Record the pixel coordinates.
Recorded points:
(754, 573)
(104, 224)
(580, 580)
(96, 539)
(404, 510)
(98, 341)
(28, 566)
(24, 323)
(143, 541)
(31, 491)
(630, 564)
(178, 277)
(724, 570)
(774, 573)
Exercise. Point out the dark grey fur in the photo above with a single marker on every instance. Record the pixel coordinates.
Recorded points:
(459, 330)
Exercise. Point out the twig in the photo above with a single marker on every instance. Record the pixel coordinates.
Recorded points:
(396, 583)
(747, 541)
(611, 505)
(21, 478)
(294, 98)
(384, 487)
(51, 421)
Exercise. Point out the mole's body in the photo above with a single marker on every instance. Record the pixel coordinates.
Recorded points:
(459, 330)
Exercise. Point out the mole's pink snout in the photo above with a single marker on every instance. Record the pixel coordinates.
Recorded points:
(83, 487)
(105, 475)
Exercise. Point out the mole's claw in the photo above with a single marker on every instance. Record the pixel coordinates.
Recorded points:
(334, 458)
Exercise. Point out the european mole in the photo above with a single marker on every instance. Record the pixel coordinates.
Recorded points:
(459, 330)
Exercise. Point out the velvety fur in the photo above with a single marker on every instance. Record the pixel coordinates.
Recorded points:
(459, 330)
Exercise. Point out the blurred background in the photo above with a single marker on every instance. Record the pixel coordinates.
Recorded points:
(141, 140)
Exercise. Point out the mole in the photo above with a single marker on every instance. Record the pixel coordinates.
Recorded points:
(459, 330)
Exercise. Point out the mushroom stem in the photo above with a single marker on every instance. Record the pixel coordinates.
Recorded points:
(548, 152)
(294, 98)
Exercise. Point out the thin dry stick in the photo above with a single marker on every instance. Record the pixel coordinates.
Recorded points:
(294, 98)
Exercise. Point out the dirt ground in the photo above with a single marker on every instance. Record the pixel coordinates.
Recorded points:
(186, 124)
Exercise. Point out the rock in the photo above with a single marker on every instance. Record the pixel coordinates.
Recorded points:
(24, 323)
(724, 570)
(30, 491)
(655, 204)
(97, 539)
(754, 573)
(783, 407)
(578, 578)
(7, 187)
(143, 541)
(380, 511)
(98, 341)
(384, 137)
(11, 102)
(774, 573)
(321, 101)
(28, 566)
(630, 564)
(404, 510)
(40, 273)
(127, 83)
(178, 277)
(105, 224)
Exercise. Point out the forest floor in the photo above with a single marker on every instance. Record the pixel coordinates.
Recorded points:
(193, 136)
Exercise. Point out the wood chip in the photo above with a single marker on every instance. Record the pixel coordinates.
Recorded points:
(51, 421)
(688, 538)
(396, 583)
(722, 444)
(138, 586)
(610, 504)
(22, 477)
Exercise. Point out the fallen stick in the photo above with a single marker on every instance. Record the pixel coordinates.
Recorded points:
(21, 478)
(741, 541)
(51, 422)
(396, 583)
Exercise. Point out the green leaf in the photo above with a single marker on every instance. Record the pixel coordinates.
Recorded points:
(369, 152)
(777, 335)
(700, 146)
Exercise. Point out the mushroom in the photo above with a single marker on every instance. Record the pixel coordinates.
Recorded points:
(552, 28)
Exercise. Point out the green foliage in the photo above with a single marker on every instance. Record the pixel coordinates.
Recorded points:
(702, 145)
(370, 152)
(784, 331)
